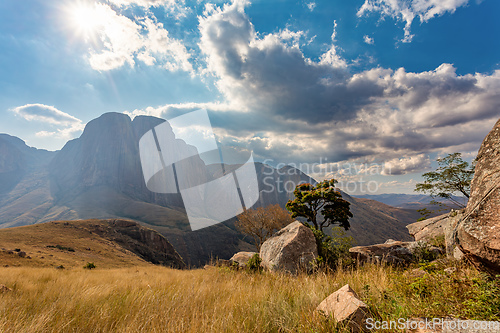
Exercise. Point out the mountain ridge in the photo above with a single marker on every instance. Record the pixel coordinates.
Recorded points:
(99, 175)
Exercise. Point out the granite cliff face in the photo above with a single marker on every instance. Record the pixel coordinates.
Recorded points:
(478, 233)
(17, 159)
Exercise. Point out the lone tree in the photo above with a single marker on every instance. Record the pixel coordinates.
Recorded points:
(321, 199)
(453, 175)
(260, 223)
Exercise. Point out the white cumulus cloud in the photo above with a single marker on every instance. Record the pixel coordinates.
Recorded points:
(311, 6)
(122, 40)
(368, 40)
(66, 125)
(408, 10)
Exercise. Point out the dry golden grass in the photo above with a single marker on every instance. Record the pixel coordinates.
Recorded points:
(87, 246)
(158, 299)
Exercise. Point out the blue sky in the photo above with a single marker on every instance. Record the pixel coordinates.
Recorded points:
(383, 85)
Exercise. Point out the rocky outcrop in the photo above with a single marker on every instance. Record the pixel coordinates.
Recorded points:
(392, 252)
(346, 308)
(430, 230)
(478, 233)
(146, 243)
(242, 258)
(291, 249)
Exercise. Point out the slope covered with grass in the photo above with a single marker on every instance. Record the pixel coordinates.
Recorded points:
(159, 299)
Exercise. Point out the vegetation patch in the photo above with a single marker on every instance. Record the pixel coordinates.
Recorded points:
(62, 248)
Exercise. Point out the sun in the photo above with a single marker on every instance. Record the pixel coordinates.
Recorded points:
(85, 19)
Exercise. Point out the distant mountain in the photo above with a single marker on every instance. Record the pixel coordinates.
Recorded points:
(99, 175)
(411, 201)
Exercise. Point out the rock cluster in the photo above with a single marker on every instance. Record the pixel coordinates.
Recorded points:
(475, 231)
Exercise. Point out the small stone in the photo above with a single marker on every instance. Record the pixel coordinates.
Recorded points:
(4, 288)
(346, 308)
(450, 270)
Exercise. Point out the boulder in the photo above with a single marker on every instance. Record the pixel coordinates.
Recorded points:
(452, 250)
(394, 252)
(291, 249)
(439, 226)
(346, 308)
(428, 229)
(242, 258)
(478, 233)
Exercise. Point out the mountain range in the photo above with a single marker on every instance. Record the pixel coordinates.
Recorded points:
(414, 201)
(99, 176)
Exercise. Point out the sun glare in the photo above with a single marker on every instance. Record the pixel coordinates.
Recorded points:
(85, 18)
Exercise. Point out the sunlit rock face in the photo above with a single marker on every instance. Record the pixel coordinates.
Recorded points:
(478, 234)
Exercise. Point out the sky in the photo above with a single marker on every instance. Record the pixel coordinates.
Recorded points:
(370, 92)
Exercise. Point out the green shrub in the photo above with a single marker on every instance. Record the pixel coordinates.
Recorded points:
(332, 250)
(438, 241)
(253, 264)
(89, 265)
(423, 254)
(483, 299)
(62, 248)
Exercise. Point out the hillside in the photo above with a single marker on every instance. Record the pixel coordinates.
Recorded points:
(374, 222)
(106, 243)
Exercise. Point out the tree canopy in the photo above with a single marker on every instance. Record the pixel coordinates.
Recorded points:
(260, 223)
(454, 175)
(321, 200)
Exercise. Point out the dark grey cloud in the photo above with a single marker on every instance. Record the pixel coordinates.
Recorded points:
(289, 108)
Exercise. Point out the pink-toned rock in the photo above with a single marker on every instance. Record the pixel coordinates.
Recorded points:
(478, 233)
(291, 249)
(394, 252)
(439, 226)
(428, 229)
(346, 308)
(242, 258)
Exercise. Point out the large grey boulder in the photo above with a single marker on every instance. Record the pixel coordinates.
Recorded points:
(291, 249)
(346, 308)
(478, 233)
